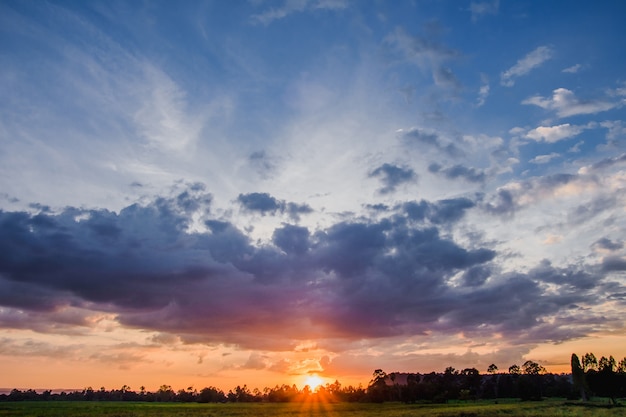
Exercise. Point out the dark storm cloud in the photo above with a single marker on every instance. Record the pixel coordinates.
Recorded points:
(264, 204)
(358, 278)
(416, 137)
(458, 171)
(392, 176)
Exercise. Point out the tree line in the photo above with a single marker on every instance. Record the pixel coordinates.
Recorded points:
(530, 381)
(165, 393)
(605, 378)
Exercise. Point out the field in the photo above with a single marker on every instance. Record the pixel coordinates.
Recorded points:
(470, 409)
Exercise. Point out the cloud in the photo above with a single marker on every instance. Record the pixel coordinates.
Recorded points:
(292, 239)
(262, 163)
(265, 204)
(444, 77)
(164, 119)
(483, 92)
(518, 195)
(573, 69)
(440, 212)
(605, 163)
(426, 54)
(262, 203)
(481, 9)
(616, 129)
(415, 136)
(614, 263)
(147, 268)
(553, 134)
(587, 211)
(469, 174)
(608, 244)
(392, 176)
(544, 159)
(296, 6)
(566, 104)
(532, 60)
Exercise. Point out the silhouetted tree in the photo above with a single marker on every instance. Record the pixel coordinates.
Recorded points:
(578, 377)
(377, 388)
(590, 362)
(605, 382)
(211, 395)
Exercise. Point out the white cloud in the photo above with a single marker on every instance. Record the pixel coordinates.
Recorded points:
(544, 159)
(576, 148)
(566, 104)
(483, 92)
(553, 134)
(616, 128)
(163, 118)
(531, 61)
(573, 69)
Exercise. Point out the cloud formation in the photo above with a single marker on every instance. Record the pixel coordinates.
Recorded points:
(553, 134)
(532, 60)
(392, 176)
(565, 103)
(419, 137)
(358, 278)
(459, 171)
(265, 204)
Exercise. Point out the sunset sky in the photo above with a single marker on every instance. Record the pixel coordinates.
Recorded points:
(222, 193)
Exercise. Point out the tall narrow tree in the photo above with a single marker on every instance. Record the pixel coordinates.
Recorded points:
(578, 376)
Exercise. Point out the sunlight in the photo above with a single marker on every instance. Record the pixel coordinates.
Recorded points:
(313, 381)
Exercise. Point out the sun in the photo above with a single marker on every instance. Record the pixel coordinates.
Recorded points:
(313, 381)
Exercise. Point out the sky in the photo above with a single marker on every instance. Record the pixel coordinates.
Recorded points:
(214, 193)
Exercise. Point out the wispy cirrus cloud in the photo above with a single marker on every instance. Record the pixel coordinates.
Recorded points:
(297, 6)
(544, 159)
(532, 60)
(426, 53)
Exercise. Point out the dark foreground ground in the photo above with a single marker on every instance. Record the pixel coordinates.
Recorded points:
(512, 408)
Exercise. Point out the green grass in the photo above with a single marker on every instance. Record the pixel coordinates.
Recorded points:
(511, 408)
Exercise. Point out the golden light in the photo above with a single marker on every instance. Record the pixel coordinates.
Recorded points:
(313, 381)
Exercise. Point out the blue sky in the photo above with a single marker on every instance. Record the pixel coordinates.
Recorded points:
(288, 187)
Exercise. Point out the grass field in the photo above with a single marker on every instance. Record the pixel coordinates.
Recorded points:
(471, 409)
